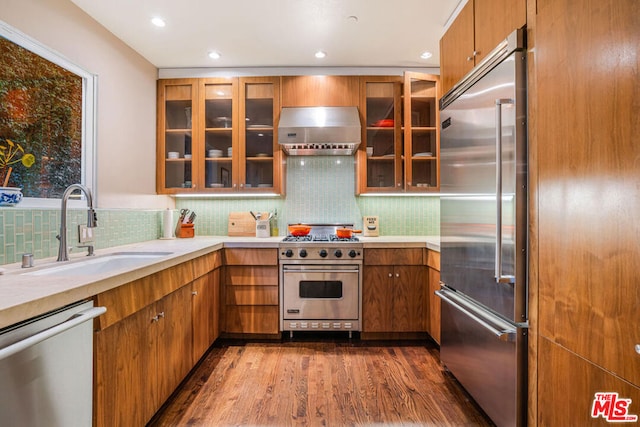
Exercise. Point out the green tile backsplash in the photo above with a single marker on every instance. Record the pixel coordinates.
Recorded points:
(35, 230)
(320, 189)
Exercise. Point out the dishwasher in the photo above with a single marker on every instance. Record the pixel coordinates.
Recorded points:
(46, 369)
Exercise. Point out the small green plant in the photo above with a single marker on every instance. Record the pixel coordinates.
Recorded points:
(12, 153)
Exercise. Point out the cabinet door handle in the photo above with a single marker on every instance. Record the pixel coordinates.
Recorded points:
(194, 293)
(161, 314)
(155, 318)
(390, 274)
(397, 274)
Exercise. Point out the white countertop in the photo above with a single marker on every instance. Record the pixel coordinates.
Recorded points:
(24, 296)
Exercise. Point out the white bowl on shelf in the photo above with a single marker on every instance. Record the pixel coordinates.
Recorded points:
(215, 153)
(215, 185)
(173, 155)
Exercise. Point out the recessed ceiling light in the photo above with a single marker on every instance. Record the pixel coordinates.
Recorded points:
(426, 55)
(214, 55)
(320, 54)
(352, 18)
(158, 22)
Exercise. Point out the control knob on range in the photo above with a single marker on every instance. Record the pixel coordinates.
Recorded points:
(288, 253)
(352, 253)
(323, 253)
(303, 253)
(338, 253)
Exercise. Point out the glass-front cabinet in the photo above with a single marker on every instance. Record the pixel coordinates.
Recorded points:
(259, 152)
(421, 135)
(176, 100)
(217, 135)
(220, 129)
(400, 148)
(382, 111)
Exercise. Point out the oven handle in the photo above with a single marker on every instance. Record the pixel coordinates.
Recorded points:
(300, 269)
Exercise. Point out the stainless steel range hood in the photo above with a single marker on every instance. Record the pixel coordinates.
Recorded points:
(306, 131)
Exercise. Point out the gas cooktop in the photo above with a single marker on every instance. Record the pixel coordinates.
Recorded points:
(319, 238)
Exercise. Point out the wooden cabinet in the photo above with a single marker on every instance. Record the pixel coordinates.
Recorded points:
(154, 331)
(206, 303)
(217, 135)
(478, 28)
(585, 246)
(433, 301)
(126, 371)
(141, 359)
(401, 145)
(251, 291)
(325, 91)
(393, 290)
(421, 126)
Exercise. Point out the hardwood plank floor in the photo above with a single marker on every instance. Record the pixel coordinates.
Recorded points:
(320, 383)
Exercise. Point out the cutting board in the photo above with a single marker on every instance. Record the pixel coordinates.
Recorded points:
(243, 224)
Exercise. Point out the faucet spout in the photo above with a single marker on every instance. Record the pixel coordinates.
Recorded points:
(92, 219)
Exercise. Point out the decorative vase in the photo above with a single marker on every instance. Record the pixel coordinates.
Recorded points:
(10, 196)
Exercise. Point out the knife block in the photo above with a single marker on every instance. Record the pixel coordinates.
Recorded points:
(186, 231)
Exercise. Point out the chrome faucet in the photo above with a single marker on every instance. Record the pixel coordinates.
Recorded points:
(92, 219)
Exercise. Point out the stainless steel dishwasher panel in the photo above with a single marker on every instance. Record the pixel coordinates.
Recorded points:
(46, 369)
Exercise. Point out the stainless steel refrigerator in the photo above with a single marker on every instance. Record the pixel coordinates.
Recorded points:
(484, 233)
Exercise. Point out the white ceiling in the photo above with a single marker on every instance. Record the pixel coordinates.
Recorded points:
(278, 33)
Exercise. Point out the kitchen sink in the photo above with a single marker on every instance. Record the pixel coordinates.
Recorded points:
(99, 264)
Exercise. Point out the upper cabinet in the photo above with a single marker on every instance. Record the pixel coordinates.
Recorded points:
(400, 145)
(218, 135)
(478, 28)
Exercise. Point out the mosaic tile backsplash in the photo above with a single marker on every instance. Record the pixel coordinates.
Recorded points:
(320, 189)
(35, 230)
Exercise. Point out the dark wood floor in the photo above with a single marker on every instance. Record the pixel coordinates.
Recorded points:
(320, 383)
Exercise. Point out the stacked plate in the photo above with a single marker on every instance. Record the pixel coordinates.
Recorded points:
(214, 153)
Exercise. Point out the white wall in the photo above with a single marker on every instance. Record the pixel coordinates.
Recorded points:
(126, 111)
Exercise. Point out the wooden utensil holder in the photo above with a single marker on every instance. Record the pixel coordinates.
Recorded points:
(186, 231)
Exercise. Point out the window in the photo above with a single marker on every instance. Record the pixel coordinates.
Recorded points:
(47, 111)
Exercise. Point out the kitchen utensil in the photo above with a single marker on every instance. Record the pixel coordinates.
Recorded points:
(253, 215)
(346, 233)
(299, 230)
(191, 218)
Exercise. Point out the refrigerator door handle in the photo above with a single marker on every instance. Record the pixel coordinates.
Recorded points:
(500, 278)
(503, 332)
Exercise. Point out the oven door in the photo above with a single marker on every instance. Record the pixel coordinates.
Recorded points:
(320, 292)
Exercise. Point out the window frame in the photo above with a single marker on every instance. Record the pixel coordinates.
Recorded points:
(89, 112)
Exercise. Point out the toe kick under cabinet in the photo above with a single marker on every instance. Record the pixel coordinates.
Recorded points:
(154, 331)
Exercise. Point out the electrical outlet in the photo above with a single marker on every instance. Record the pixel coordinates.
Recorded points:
(85, 234)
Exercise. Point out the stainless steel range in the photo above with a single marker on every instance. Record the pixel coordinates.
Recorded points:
(321, 281)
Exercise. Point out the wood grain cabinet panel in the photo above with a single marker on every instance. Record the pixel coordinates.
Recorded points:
(156, 333)
(393, 291)
(125, 365)
(478, 28)
(568, 387)
(433, 322)
(251, 291)
(175, 341)
(205, 312)
(587, 205)
(326, 91)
